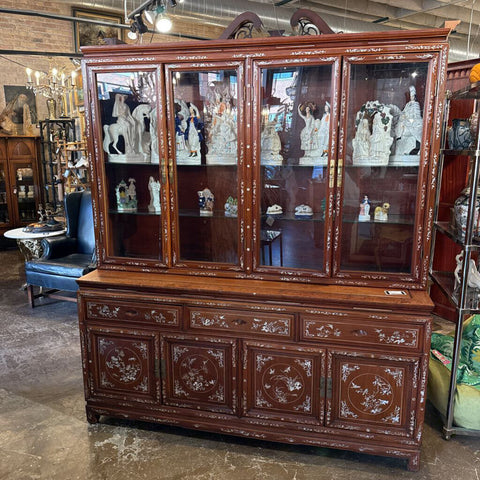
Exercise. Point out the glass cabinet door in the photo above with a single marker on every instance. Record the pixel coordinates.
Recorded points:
(4, 216)
(127, 106)
(25, 191)
(386, 137)
(296, 124)
(206, 116)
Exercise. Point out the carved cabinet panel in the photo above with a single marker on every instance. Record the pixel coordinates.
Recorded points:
(122, 364)
(283, 382)
(200, 372)
(372, 392)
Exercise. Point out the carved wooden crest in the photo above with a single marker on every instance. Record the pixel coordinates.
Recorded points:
(303, 22)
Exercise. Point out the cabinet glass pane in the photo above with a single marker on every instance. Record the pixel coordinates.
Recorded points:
(128, 114)
(4, 218)
(384, 137)
(206, 144)
(25, 188)
(294, 153)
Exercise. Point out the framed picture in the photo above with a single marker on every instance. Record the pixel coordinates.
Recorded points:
(21, 95)
(93, 34)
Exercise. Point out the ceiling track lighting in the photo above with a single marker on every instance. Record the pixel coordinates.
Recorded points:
(154, 11)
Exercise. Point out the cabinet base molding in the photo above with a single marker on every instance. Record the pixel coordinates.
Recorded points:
(327, 440)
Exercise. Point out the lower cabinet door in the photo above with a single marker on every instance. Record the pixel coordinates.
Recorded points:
(373, 392)
(283, 382)
(200, 372)
(122, 364)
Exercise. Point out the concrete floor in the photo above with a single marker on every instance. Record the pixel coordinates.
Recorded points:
(44, 433)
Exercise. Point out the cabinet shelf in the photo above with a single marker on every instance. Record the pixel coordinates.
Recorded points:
(471, 91)
(392, 220)
(447, 230)
(464, 153)
(139, 211)
(290, 216)
(195, 213)
(381, 166)
(446, 282)
(133, 164)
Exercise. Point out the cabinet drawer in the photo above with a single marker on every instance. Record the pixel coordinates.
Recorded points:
(359, 330)
(168, 315)
(271, 324)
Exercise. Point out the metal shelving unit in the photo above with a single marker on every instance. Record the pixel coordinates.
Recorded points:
(465, 299)
(50, 131)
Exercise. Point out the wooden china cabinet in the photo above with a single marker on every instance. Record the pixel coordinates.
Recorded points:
(241, 287)
(20, 190)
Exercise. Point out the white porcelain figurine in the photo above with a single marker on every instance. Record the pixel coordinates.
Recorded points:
(154, 189)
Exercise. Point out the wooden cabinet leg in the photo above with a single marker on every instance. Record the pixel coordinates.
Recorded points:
(92, 417)
(413, 464)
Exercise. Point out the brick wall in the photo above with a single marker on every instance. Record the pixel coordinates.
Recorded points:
(20, 32)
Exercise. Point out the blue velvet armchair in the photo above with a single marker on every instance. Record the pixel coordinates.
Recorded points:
(67, 257)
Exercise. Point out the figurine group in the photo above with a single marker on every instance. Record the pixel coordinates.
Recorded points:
(380, 214)
(188, 133)
(139, 144)
(314, 135)
(473, 275)
(126, 196)
(395, 136)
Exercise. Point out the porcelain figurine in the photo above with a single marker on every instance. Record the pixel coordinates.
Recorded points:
(126, 196)
(408, 133)
(309, 138)
(193, 132)
(381, 213)
(361, 142)
(459, 134)
(222, 144)
(381, 140)
(206, 201)
(154, 189)
(372, 149)
(323, 134)
(303, 211)
(182, 150)
(274, 210)
(270, 145)
(231, 207)
(133, 131)
(364, 215)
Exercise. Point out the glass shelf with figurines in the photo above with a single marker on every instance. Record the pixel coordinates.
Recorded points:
(133, 212)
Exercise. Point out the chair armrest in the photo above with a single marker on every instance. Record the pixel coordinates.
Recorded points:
(56, 247)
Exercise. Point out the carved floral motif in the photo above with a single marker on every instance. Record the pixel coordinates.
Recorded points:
(123, 364)
(407, 337)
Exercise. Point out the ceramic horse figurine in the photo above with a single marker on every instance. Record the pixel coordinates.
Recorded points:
(125, 126)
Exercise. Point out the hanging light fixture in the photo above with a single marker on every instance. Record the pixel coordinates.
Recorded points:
(163, 24)
(155, 14)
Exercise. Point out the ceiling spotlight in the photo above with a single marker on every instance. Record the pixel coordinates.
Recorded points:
(155, 9)
(163, 24)
(132, 34)
(140, 27)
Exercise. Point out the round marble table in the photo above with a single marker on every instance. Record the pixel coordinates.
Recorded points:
(30, 244)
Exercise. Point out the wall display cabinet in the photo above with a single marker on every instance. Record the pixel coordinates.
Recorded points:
(263, 213)
(459, 227)
(19, 181)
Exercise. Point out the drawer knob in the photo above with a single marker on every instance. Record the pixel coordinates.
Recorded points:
(131, 313)
(359, 333)
(239, 321)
